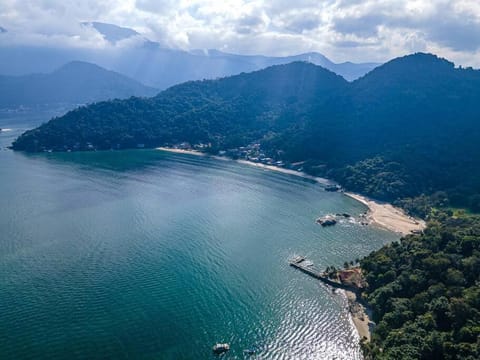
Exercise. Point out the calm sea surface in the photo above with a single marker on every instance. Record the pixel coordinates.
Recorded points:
(149, 255)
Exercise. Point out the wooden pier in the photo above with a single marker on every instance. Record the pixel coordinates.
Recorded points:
(305, 266)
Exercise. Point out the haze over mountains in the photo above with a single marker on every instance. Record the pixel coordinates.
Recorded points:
(74, 83)
(135, 56)
(112, 33)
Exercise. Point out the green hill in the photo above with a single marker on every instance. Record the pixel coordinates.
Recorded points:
(425, 293)
(226, 112)
(408, 127)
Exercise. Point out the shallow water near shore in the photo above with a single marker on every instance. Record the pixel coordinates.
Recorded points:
(145, 254)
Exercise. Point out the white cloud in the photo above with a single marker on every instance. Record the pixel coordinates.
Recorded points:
(356, 30)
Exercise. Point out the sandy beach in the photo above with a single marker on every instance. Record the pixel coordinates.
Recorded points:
(359, 316)
(251, 163)
(381, 214)
(389, 216)
(286, 171)
(181, 151)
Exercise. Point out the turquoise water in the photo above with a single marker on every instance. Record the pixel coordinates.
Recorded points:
(149, 255)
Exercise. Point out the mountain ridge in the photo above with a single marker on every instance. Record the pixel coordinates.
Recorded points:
(153, 64)
(111, 32)
(76, 82)
(402, 130)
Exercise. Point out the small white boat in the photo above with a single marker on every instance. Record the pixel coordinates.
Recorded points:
(220, 348)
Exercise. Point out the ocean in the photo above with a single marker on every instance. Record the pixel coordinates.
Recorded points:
(144, 254)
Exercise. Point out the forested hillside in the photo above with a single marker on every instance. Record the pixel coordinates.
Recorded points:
(425, 293)
(226, 113)
(409, 127)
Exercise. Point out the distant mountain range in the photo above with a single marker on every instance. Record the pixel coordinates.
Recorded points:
(151, 64)
(74, 83)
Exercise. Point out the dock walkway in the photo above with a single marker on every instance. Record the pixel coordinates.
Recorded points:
(302, 264)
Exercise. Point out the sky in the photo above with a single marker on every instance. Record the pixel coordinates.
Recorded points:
(343, 30)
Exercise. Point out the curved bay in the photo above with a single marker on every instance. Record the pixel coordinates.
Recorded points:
(143, 254)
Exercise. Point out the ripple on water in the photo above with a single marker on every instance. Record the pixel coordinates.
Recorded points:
(163, 256)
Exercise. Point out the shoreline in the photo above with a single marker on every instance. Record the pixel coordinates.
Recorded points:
(181, 151)
(250, 163)
(388, 216)
(301, 174)
(384, 215)
(360, 318)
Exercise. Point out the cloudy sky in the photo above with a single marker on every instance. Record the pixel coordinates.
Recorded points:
(355, 30)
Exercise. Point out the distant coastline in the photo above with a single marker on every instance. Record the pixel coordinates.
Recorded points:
(250, 163)
(181, 151)
(301, 174)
